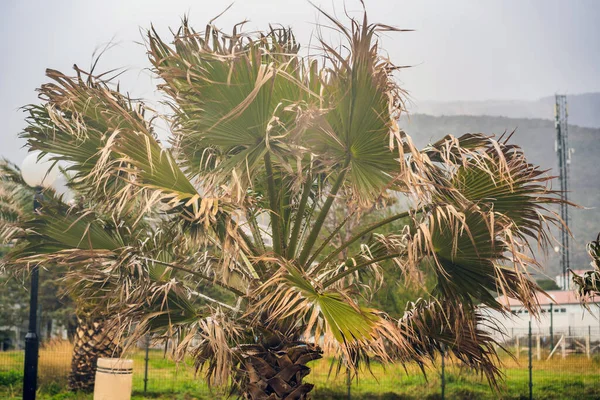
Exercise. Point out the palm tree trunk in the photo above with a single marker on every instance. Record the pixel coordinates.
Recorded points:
(92, 340)
(277, 372)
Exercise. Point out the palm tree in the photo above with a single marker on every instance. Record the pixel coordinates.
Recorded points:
(91, 340)
(265, 145)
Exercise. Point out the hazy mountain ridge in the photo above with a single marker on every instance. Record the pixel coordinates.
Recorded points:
(583, 109)
(536, 137)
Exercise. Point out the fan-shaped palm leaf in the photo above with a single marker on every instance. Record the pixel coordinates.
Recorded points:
(259, 134)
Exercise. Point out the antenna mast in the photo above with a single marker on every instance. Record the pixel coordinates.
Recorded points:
(564, 160)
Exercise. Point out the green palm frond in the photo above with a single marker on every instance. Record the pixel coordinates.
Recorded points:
(509, 186)
(10, 172)
(234, 97)
(55, 228)
(588, 284)
(469, 250)
(104, 272)
(108, 145)
(359, 127)
(293, 303)
(15, 200)
(488, 202)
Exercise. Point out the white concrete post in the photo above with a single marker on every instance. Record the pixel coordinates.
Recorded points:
(587, 345)
(113, 379)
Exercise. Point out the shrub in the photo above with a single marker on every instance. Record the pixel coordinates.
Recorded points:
(9, 378)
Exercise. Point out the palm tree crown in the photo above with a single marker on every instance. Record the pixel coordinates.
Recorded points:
(219, 236)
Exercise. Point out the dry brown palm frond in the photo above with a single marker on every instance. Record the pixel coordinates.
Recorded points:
(443, 327)
(217, 350)
(588, 284)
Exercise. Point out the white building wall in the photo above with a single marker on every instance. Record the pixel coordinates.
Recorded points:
(569, 318)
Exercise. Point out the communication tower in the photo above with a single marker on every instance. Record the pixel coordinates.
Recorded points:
(564, 160)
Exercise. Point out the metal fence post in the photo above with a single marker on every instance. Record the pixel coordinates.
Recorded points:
(146, 363)
(530, 364)
(551, 326)
(443, 373)
(348, 383)
(32, 341)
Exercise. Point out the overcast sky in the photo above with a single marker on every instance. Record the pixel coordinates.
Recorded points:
(461, 50)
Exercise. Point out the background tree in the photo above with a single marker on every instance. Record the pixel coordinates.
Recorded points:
(14, 301)
(265, 146)
(547, 284)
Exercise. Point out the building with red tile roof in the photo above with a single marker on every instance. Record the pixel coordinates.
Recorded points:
(560, 309)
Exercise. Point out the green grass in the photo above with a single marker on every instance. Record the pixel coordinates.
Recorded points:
(572, 378)
(575, 377)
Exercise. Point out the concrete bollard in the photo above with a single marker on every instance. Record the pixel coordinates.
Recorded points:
(113, 379)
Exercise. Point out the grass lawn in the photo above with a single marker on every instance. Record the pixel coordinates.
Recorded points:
(575, 377)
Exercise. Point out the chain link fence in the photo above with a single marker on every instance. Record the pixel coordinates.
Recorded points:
(558, 365)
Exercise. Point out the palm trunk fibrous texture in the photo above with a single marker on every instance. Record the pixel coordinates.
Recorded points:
(277, 372)
(92, 341)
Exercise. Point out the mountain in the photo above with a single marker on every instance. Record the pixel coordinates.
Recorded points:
(536, 137)
(584, 109)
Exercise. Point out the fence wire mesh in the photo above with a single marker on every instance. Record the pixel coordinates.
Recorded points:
(563, 366)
